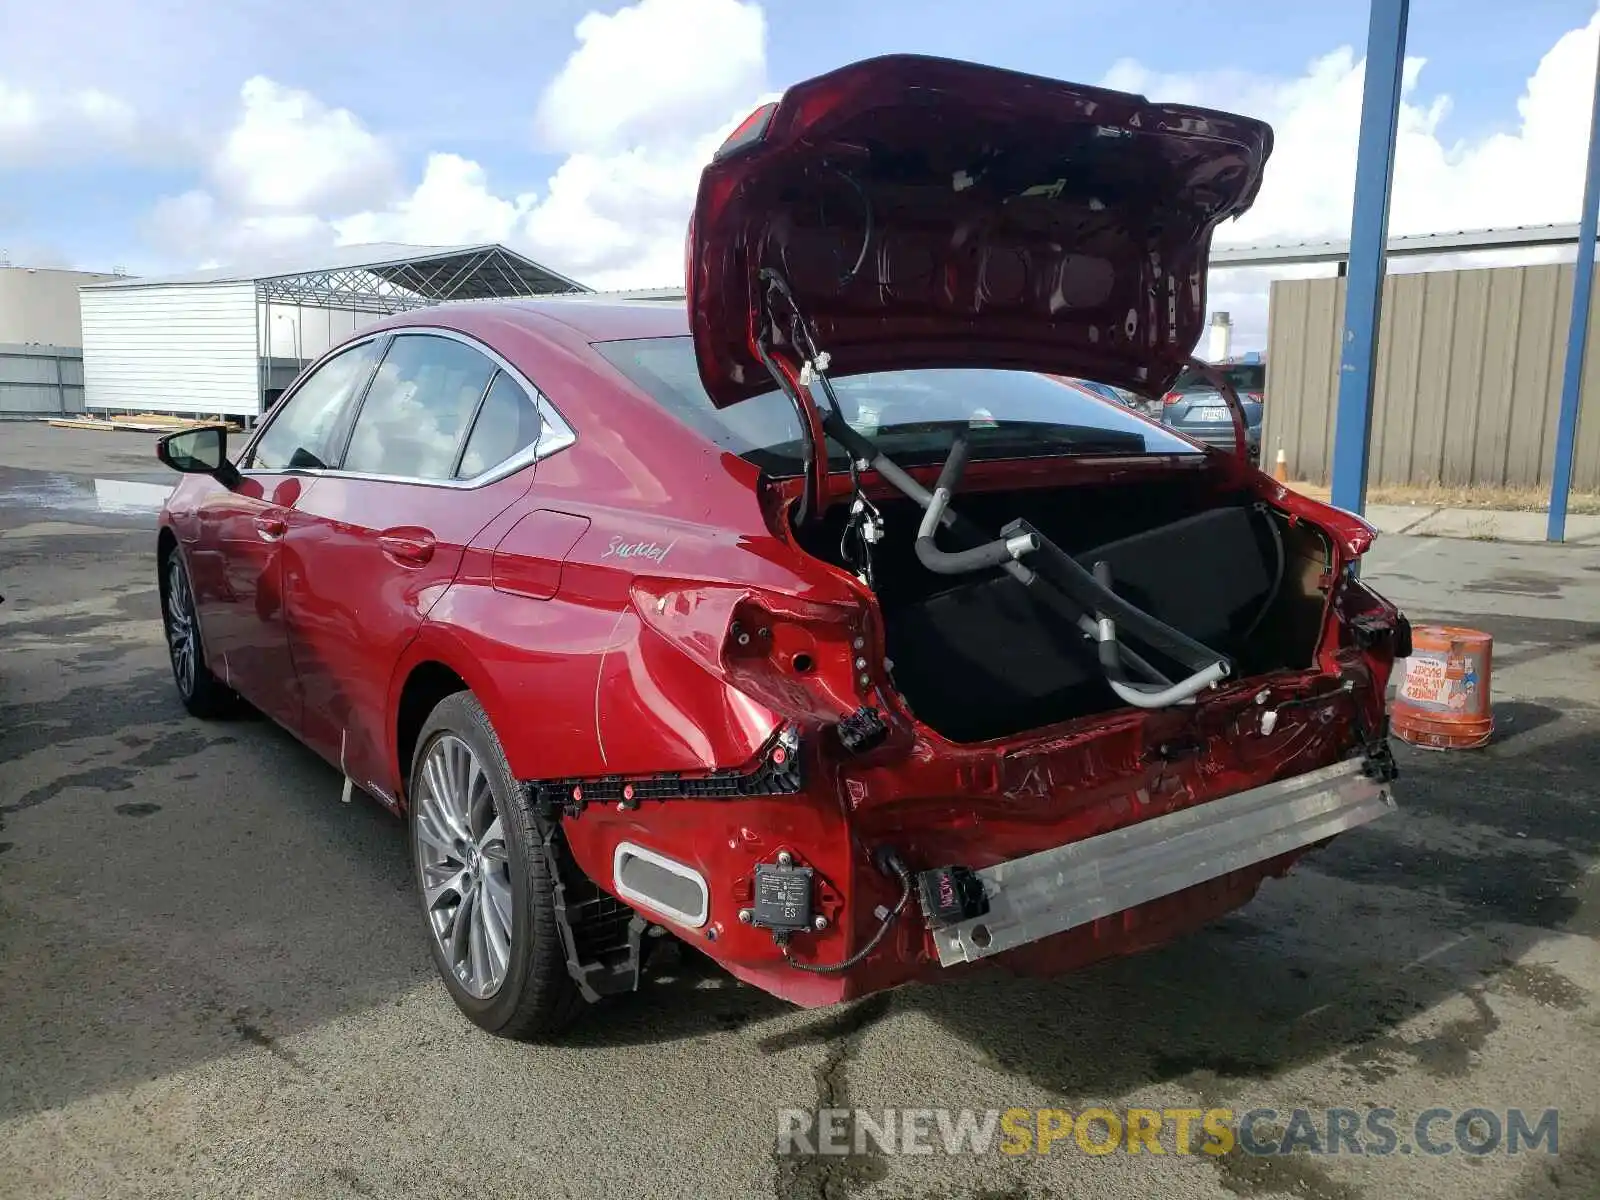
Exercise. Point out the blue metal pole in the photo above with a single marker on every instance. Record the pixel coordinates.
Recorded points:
(1577, 334)
(1369, 231)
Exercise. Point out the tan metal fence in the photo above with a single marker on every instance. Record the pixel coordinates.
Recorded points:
(1468, 378)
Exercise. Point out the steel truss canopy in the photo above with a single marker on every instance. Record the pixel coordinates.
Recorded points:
(382, 277)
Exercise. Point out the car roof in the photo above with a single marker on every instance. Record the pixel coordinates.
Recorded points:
(592, 317)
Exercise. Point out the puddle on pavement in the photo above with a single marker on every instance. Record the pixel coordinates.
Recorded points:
(28, 491)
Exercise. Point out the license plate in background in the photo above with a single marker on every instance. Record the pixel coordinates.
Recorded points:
(1214, 415)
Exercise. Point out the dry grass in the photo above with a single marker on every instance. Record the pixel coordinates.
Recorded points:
(1436, 496)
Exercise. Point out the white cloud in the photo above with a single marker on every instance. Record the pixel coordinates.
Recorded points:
(613, 220)
(276, 181)
(44, 128)
(290, 153)
(644, 73)
(195, 228)
(637, 108)
(620, 219)
(453, 203)
(1530, 174)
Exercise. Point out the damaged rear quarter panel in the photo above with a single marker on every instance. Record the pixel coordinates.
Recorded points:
(576, 684)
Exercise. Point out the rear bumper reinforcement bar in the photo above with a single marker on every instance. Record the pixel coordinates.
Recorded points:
(1056, 890)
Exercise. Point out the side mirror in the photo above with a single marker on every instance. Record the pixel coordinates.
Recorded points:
(199, 451)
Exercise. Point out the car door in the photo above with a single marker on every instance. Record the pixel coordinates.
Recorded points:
(240, 564)
(442, 443)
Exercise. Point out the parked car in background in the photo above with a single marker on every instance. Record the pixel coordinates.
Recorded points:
(1118, 395)
(1195, 407)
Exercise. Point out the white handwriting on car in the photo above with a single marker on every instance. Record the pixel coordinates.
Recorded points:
(654, 551)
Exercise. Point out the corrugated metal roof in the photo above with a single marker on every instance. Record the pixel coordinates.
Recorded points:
(622, 294)
(1460, 241)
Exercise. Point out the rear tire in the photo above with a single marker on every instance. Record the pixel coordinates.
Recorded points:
(202, 693)
(484, 884)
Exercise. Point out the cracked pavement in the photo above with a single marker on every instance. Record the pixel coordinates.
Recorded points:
(215, 982)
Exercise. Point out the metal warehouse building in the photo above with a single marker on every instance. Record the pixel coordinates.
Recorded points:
(41, 364)
(226, 342)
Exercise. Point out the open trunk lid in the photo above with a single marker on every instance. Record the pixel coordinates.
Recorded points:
(923, 212)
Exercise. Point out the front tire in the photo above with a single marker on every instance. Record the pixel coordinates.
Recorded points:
(487, 896)
(202, 693)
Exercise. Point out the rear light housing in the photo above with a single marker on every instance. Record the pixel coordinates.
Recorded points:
(748, 132)
(804, 661)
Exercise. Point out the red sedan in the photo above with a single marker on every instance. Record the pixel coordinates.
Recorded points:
(812, 621)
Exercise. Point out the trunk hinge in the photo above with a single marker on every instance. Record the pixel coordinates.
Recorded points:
(1241, 425)
(796, 379)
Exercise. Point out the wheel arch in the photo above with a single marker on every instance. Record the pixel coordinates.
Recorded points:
(166, 546)
(429, 682)
(433, 666)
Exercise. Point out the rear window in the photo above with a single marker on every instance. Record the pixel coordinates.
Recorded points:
(913, 416)
(1245, 377)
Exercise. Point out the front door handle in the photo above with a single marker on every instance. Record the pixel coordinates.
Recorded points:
(271, 526)
(408, 547)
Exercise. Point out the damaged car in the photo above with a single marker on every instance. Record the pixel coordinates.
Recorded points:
(814, 621)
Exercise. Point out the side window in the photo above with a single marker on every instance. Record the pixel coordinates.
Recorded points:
(507, 424)
(301, 434)
(424, 394)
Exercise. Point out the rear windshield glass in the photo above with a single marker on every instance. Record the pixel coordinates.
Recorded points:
(913, 416)
(1245, 377)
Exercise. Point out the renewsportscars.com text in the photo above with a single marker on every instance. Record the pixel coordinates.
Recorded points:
(1178, 1131)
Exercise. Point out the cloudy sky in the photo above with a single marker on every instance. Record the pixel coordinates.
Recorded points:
(166, 134)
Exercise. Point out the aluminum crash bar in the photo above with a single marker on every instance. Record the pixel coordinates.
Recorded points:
(1043, 894)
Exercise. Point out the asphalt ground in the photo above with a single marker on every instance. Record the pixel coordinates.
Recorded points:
(213, 981)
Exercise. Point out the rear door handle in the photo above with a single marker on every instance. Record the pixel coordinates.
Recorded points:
(270, 527)
(408, 547)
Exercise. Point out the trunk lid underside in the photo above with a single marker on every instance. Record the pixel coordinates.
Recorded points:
(931, 213)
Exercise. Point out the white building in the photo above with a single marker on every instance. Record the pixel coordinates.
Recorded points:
(226, 342)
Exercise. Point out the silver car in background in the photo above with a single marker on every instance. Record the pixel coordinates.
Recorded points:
(1196, 408)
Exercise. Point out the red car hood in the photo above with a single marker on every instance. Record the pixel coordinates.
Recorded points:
(931, 213)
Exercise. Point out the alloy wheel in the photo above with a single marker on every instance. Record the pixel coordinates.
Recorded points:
(464, 867)
(181, 641)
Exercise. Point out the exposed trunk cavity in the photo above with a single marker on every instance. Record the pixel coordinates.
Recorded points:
(983, 656)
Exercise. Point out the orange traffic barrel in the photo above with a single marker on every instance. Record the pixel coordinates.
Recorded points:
(1443, 699)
